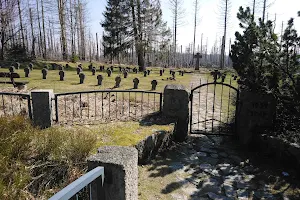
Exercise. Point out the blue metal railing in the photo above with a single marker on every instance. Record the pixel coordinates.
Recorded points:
(84, 181)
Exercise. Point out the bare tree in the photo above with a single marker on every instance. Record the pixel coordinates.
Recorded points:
(225, 10)
(178, 11)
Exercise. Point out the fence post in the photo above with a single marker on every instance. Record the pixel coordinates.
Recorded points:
(42, 109)
(176, 104)
(120, 173)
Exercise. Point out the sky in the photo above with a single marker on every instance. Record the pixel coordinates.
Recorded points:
(209, 22)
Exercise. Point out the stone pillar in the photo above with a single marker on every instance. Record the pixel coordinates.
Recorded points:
(41, 106)
(120, 172)
(176, 104)
(255, 112)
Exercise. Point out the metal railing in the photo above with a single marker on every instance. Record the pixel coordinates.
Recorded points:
(13, 104)
(213, 108)
(92, 181)
(105, 105)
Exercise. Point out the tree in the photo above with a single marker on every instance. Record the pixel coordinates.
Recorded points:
(225, 6)
(252, 52)
(177, 10)
(116, 29)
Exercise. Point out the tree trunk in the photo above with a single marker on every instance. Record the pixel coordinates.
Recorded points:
(21, 24)
(44, 31)
(32, 35)
(61, 13)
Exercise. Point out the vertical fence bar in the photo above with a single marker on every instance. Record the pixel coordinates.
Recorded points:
(221, 106)
(95, 105)
(73, 110)
(229, 99)
(102, 105)
(88, 105)
(80, 106)
(206, 106)
(129, 104)
(3, 104)
(148, 103)
(154, 102)
(65, 106)
(142, 101)
(213, 114)
(135, 104)
(12, 107)
(109, 105)
(116, 105)
(56, 108)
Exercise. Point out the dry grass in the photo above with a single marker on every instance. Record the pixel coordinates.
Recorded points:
(35, 163)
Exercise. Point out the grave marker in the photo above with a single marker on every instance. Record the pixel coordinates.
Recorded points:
(93, 71)
(161, 72)
(44, 72)
(148, 71)
(81, 77)
(145, 73)
(61, 75)
(100, 79)
(154, 84)
(118, 81)
(27, 71)
(136, 82)
(108, 72)
(125, 73)
(198, 56)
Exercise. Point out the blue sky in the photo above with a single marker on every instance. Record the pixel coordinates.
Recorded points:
(209, 22)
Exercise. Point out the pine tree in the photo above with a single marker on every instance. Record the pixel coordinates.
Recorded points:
(116, 32)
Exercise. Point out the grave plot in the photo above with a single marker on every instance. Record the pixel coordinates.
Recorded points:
(104, 106)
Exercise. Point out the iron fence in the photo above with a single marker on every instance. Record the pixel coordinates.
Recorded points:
(105, 105)
(213, 108)
(13, 104)
(88, 186)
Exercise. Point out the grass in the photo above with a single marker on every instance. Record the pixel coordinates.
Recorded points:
(37, 163)
(71, 82)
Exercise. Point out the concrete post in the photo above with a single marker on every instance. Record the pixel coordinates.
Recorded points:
(42, 109)
(176, 104)
(120, 172)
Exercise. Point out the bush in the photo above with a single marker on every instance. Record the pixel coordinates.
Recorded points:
(74, 58)
(34, 162)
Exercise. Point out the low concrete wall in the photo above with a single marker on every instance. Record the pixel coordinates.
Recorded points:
(152, 145)
(282, 150)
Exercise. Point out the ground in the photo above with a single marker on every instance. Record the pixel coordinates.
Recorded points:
(71, 83)
(207, 167)
(204, 167)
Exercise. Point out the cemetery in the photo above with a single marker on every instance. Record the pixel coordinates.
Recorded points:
(140, 109)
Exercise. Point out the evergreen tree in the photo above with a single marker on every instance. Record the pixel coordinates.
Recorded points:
(116, 28)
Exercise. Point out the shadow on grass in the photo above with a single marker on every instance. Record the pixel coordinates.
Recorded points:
(157, 118)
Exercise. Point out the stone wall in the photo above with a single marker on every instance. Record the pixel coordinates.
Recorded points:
(282, 150)
(152, 145)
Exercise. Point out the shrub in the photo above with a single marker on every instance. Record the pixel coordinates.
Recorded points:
(33, 162)
(74, 58)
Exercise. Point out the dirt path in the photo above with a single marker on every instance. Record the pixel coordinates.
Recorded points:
(206, 106)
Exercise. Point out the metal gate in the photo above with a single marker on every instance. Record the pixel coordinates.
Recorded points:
(213, 109)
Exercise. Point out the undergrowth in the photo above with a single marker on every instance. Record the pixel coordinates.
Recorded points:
(34, 164)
